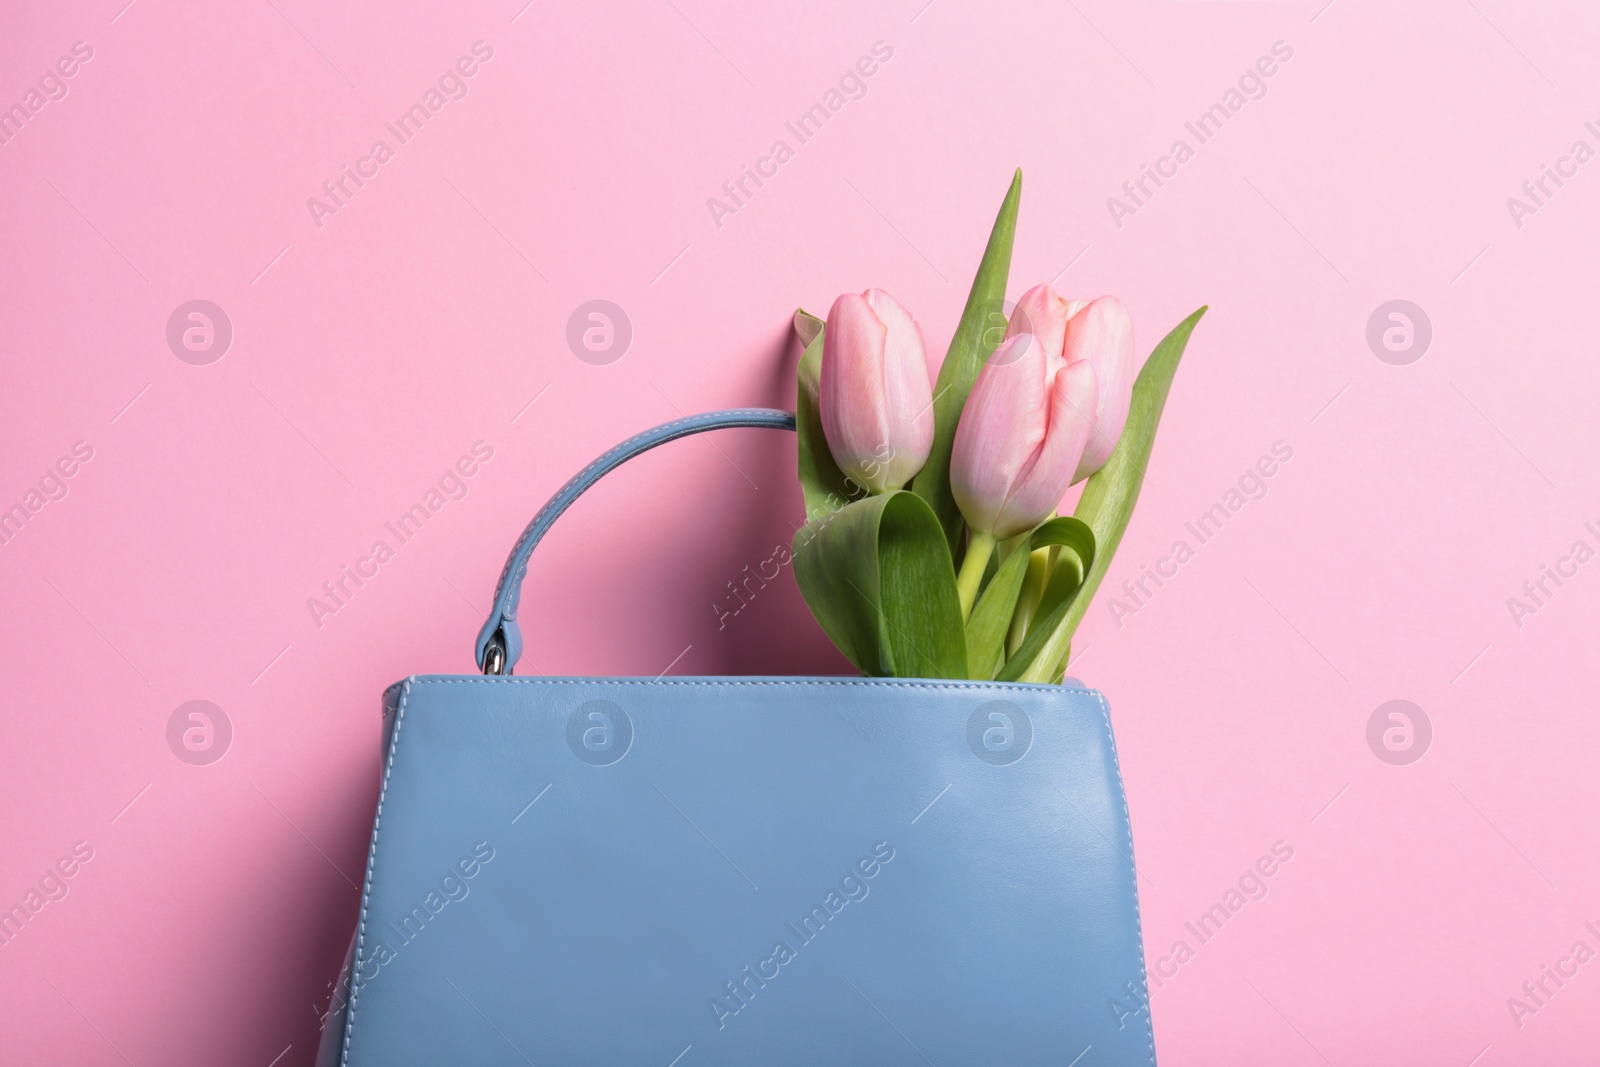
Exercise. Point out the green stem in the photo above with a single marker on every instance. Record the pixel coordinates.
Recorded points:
(1051, 658)
(979, 548)
(1033, 583)
(1066, 661)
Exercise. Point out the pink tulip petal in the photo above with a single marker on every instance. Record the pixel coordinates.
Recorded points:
(1002, 428)
(1102, 335)
(1043, 312)
(907, 389)
(874, 395)
(1038, 489)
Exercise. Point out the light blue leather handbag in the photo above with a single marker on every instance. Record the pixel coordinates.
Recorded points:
(688, 872)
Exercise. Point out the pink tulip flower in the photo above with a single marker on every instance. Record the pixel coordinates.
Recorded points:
(1044, 313)
(1021, 437)
(875, 396)
(1099, 332)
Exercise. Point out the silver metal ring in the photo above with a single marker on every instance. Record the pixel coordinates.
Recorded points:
(494, 658)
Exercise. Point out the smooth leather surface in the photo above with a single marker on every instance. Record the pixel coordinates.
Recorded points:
(502, 623)
(641, 861)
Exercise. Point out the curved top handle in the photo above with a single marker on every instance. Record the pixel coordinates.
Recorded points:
(500, 641)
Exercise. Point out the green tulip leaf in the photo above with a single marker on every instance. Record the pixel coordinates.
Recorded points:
(1065, 578)
(824, 485)
(991, 617)
(1067, 532)
(1075, 542)
(1105, 507)
(982, 327)
(877, 576)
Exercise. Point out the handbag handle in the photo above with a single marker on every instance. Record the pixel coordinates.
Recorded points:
(500, 641)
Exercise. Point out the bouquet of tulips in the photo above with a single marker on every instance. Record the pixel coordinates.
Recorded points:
(932, 547)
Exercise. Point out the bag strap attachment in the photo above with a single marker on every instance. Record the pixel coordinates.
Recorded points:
(500, 641)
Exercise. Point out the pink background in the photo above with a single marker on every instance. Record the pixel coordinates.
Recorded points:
(431, 309)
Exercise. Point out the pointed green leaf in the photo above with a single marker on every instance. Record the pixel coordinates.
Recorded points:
(1107, 504)
(877, 576)
(982, 326)
(991, 617)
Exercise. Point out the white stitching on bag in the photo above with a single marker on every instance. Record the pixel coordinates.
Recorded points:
(1133, 867)
(372, 869)
(1002, 687)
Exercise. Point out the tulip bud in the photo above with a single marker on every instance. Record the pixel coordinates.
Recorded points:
(1021, 437)
(1102, 335)
(875, 397)
(1044, 313)
(1099, 332)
